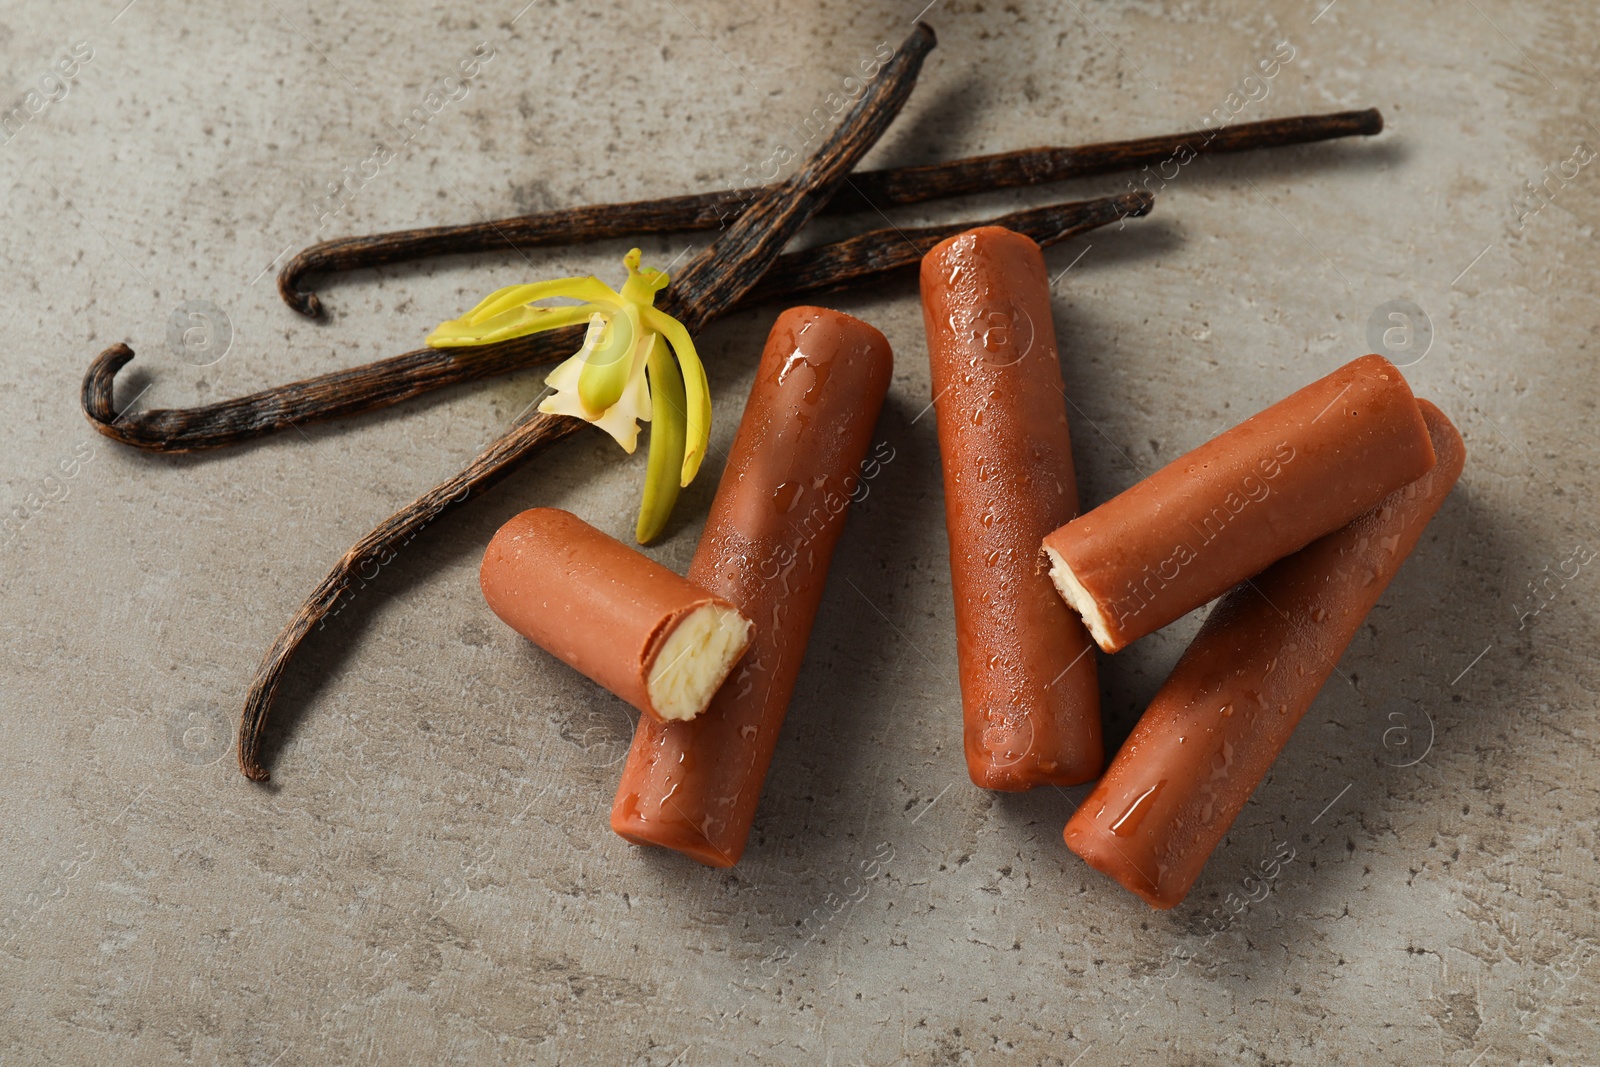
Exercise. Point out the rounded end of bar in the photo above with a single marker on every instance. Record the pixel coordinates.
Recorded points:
(638, 832)
(847, 334)
(1001, 244)
(1449, 449)
(1019, 778)
(1092, 846)
(1057, 742)
(1375, 366)
(1371, 122)
(925, 35)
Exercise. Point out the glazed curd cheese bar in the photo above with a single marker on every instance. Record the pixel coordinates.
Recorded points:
(1230, 705)
(1268, 487)
(652, 637)
(779, 510)
(1029, 693)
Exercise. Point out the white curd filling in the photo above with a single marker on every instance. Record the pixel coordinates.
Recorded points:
(695, 660)
(1073, 592)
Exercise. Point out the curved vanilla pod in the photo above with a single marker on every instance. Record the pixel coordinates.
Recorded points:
(846, 264)
(867, 190)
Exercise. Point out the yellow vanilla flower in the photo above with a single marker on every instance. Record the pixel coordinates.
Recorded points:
(637, 363)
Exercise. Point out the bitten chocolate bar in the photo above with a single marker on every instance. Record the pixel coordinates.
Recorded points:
(1229, 706)
(653, 638)
(1266, 488)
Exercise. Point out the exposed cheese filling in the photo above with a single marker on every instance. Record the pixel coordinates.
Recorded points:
(695, 660)
(1073, 592)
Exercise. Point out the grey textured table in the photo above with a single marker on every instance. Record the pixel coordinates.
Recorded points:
(431, 878)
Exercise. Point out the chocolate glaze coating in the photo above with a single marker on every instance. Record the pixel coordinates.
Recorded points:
(586, 598)
(1230, 704)
(779, 509)
(1268, 487)
(1029, 693)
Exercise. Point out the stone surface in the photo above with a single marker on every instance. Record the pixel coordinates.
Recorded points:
(431, 878)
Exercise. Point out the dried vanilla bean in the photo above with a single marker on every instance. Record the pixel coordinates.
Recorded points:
(379, 384)
(868, 190)
(708, 287)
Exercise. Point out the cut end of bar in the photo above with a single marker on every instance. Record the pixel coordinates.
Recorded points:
(1076, 596)
(695, 660)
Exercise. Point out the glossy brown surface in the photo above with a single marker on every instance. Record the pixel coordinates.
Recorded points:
(1229, 706)
(778, 512)
(1029, 694)
(597, 605)
(1269, 486)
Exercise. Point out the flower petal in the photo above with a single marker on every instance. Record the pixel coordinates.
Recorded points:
(621, 419)
(608, 364)
(697, 389)
(503, 314)
(666, 442)
(516, 322)
(564, 379)
(587, 288)
(569, 372)
(563, 403)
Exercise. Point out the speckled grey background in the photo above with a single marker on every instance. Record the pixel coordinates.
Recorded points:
(431, 878)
